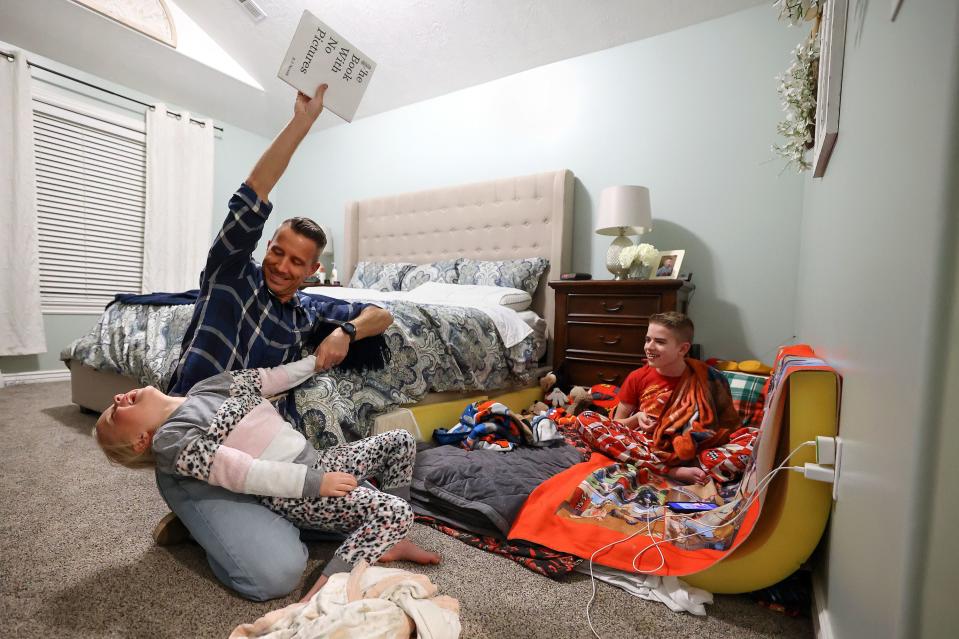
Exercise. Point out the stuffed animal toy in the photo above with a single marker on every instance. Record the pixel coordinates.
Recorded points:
(556, 398)
(577, 394)
(547, 381)
(537, 408)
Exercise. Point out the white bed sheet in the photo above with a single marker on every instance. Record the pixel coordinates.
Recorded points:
(513, 326)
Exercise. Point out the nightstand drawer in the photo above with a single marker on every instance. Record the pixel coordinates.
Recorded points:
(627, 339)
(587, 372)
(612, 305)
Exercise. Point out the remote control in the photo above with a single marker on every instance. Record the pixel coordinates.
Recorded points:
(575, 276)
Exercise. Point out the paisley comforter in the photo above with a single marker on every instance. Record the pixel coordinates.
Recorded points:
(433, 349)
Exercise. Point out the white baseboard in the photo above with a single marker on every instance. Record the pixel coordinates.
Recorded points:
(34, 377)
(821, 622)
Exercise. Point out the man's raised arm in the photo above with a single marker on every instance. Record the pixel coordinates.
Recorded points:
(276, 158)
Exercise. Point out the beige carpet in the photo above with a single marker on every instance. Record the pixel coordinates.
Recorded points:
(77, 560)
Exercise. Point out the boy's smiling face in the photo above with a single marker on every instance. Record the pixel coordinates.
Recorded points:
(663, 349)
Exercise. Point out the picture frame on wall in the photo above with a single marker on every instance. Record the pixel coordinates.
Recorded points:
(667, 265)
(832, 48)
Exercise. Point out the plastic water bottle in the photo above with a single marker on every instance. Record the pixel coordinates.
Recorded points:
(333, 277)
(321, 274)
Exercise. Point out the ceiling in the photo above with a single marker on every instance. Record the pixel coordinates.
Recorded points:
(423, 48)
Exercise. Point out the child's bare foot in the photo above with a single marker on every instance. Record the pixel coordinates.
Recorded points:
(315, 589)
(406, 550)
(689, 474)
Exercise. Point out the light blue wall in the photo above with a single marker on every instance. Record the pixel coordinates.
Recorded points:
(691, 114)
(236, 150)
(876, 280)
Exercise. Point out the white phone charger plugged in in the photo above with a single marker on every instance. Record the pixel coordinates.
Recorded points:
(825, 450)
(818, 472)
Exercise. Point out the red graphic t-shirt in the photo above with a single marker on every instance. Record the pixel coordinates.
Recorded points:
(648, 391)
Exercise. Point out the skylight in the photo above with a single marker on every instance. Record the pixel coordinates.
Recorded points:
(193, 41)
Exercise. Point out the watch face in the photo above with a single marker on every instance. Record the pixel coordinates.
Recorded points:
(349, 329)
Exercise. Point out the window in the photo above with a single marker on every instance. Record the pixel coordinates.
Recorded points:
(91, 190)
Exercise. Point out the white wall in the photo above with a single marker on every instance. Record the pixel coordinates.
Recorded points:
(874, 282)
(691, 114)
(235, 152)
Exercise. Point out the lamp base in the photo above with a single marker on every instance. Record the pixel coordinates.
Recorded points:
(612, 257)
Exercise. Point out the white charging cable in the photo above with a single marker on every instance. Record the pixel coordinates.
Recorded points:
(760, 487)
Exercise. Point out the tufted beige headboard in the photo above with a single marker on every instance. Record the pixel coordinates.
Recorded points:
(529, 216)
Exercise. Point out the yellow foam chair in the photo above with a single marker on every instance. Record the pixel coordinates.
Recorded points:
(796, 509)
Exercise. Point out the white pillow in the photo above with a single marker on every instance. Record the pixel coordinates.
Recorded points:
(438, 292)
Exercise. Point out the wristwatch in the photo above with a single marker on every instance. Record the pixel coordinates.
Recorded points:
(349, 329)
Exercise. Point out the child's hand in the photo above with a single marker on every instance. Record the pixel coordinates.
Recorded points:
(337, 484)
(689, 474)
(645, 422)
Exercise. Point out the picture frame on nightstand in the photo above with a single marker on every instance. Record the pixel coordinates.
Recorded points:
(668, 265)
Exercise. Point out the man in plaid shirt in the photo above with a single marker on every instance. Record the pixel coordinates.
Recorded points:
(251, 315)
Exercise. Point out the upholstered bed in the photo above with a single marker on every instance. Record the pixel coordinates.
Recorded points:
(512, 218)
(506, 219)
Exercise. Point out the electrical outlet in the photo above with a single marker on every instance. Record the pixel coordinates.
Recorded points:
(838, 465)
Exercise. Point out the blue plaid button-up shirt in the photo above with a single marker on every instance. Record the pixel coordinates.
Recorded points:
(237, 322)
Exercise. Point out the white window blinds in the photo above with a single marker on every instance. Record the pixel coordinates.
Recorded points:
(91, 187)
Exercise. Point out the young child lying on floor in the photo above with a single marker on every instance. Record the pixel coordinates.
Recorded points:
(675, 416)
(226, 433)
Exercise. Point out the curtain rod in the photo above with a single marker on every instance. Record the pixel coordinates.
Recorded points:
(10, 58)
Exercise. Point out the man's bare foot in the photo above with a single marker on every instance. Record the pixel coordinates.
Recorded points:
(406, 550)
(315, 589)
(689, 474)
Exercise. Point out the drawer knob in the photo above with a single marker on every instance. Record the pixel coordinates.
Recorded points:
(612, 309)
(610, 342)
(607, 380)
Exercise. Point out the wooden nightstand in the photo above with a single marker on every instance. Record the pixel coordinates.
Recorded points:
(601, 325)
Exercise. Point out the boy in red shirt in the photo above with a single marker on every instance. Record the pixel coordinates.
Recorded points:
(653, 429)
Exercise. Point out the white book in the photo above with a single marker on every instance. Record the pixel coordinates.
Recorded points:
(319, 54)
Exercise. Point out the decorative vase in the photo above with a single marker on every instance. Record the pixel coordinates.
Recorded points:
(639, 271)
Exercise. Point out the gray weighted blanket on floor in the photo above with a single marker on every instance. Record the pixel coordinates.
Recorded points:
(482, 491)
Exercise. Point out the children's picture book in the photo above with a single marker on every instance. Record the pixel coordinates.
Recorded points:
(318, 54)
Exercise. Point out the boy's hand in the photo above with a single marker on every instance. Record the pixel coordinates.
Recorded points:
(645, 422)
(689, 474)
(337, 484)
(310, 108)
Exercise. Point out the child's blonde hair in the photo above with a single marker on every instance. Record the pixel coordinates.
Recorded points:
(122, 453)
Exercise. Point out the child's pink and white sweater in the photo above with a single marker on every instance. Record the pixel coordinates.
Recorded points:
(227, 434)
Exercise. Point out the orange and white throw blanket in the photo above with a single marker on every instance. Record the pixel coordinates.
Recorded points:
(370, 602)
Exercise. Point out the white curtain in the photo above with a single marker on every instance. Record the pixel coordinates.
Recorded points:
(21, 318)
(179, 207)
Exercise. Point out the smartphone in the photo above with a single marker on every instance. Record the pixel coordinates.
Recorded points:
(690, 506)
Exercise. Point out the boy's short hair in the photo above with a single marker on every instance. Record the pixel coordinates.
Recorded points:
(307, 228)
(122, 453)
(678, 323)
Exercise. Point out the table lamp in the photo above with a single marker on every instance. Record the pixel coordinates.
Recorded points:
(623, 211)
(326, 257)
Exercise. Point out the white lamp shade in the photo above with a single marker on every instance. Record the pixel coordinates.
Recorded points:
(624, 210)
(328, 232)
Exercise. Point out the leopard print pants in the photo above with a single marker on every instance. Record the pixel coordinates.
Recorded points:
(375, 521)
